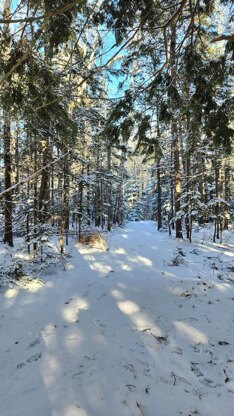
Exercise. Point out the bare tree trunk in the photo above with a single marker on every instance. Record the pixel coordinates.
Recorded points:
(66, 210)
(217, 191)
(117, 215)
(80, 214)
(52, 194)
(44, 194)
(109, 190)
(227, 190)
(35, 200)
(159, 193)
(8, 235)
(174, 133)
(88, 200)
(15, 152)
(201, 188)
(17, 155)
(188, 213)
(97, 202)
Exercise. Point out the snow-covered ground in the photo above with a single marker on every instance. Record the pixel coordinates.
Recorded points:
(145, 328)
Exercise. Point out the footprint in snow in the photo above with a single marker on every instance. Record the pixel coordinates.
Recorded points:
(35, 342)
(30, 360)
(34, 358)
(102, 296)
(208, 382)
(85, 294)
(93, 283)
(99, 323)
(177, 350)
(223, 343)
(108, 274)
(195, 369)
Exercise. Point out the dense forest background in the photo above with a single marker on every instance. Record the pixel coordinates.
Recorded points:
(115, 110)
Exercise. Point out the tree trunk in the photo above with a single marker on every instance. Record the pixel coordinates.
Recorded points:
(66, 210)
(88, 200)
(8, 235)
(227, 190)
(174, 133)
(171, 216)
(97, 201)
(109, 191)
(44, 194)
(217, 192)
(188, 209)
(35, 200)
(201, 187)
(159, 193)
(80, 214)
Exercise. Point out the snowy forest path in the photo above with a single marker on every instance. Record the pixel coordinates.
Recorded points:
(144, 328)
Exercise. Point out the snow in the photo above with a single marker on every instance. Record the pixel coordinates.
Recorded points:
(145, 328)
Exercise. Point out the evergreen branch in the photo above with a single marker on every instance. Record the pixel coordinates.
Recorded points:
(46, 16)
(174, 16)
(33, 42)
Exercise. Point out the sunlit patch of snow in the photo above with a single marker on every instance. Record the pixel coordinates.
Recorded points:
(142, 260)
(48, 336)
(175, 290)
(193, 334)
(11, 293)
(128, 307)
(138, 318)
(88, 250)
(71, 312)
(222, 287)
(73, 340)
(69, 266)
(73, 410)
(31, 285)
(121, 285)
(216, 249)
(126, 267)
(228, 253)
(100, 267)
(34, 287)
(49, 369)
(119, 251)
(22, 256)
(168, 274)
(117, 294)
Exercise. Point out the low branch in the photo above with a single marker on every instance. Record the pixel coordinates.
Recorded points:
(32, 177)
(223, 37)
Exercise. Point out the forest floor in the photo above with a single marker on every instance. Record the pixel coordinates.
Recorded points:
(143, 329)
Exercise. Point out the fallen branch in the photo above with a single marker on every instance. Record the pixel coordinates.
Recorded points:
(140, 408)
(175, 377)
